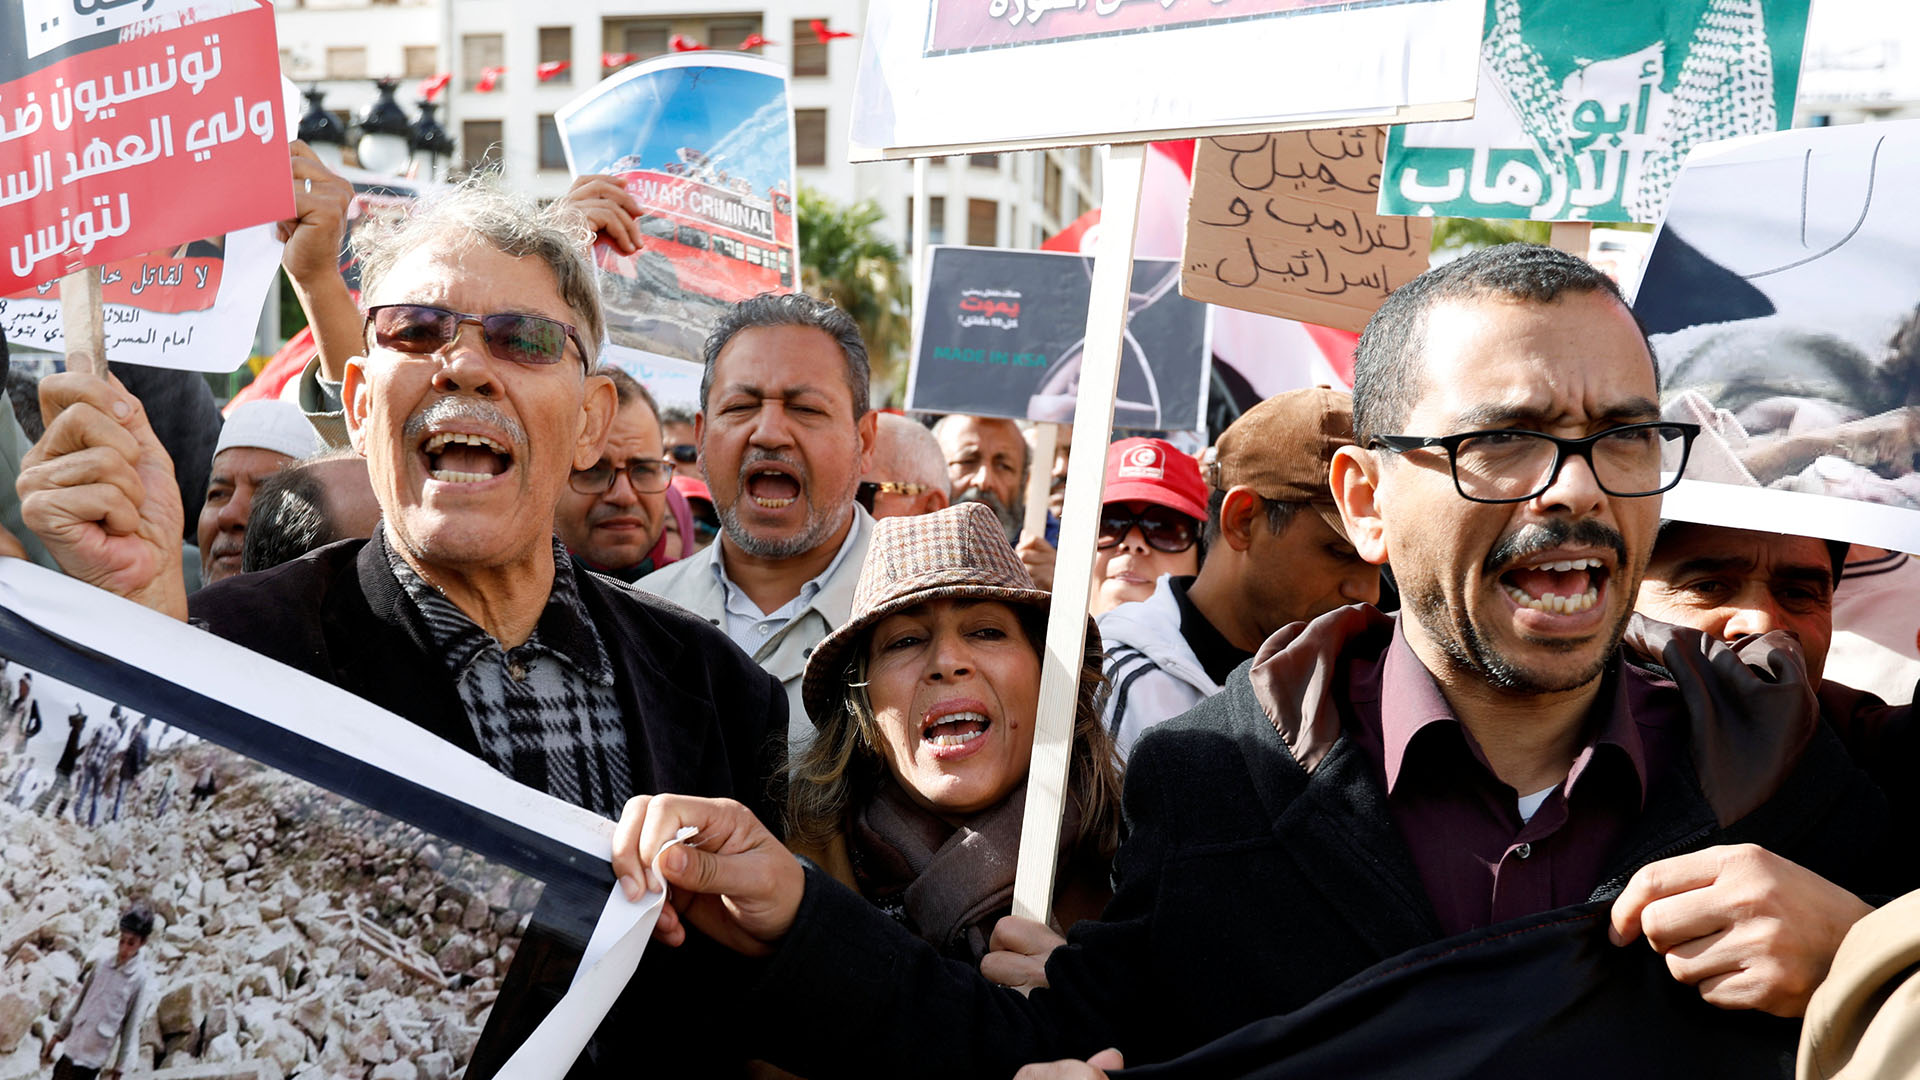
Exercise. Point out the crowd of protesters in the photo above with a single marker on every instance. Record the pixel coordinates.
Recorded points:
(1373, 671)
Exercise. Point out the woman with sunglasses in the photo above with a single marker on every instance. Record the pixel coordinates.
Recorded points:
(1150, 523)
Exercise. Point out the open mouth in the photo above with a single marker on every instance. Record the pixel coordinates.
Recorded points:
(1560, 587)
(956, 729)
(771, 488)
(457, 457)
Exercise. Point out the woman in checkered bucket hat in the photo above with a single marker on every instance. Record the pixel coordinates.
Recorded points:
(913, 790)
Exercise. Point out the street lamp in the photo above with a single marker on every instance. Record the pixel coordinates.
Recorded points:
(431, 145)
(321, 130)
(384, 133)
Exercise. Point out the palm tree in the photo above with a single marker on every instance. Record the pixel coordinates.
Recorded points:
(842, 260)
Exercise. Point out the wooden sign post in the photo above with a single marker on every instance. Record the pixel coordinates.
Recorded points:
(83, 322)
(1046, 441)
(1572, 237)
(1079, 521)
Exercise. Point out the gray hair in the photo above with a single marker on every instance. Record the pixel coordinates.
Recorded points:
(483, 209)
(791, 309)
(906, 452)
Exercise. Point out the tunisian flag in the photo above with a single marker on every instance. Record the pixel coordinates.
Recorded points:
(1268, 355)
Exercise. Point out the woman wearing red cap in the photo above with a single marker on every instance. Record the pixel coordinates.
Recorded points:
(1150, 523)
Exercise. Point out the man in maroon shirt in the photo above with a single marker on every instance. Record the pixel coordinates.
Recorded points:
(1373, 784)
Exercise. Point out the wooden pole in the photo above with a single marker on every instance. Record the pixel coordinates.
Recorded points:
(83, 322)
(921, 257)
(1079, 520)
(1572, 237)
(1046, 439)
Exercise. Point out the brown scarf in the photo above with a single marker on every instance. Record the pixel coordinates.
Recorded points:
(948, 884)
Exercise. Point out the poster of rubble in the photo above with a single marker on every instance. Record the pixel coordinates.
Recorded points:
(1002, 333)
(137, 135)
(704, 142)
(1783, 299)
(1586, 112)
(940, 75)
(188, 884)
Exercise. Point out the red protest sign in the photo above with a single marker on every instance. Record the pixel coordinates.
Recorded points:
(142, 145)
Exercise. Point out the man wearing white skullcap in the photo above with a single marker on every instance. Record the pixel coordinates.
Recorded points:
(260, 438)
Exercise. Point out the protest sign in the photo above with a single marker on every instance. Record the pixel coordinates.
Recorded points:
(1002, 333)
(137, 140)
(1586, 112)
(938, 77)
(331, 886)
(1284, 225)
(1781, 299)
(705, 144)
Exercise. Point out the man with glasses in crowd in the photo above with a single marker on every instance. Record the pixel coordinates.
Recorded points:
(1371, 784)
(473, 405)
(1277, 553)
(676, 428)
(908, 476)
(613, 511)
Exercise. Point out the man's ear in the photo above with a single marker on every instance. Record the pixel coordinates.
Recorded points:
(596, 419)
(869, 426)
(356, 399)
(1355, 478)
(1238, 509)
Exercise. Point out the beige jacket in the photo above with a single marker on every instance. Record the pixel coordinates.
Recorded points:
(693, 585)
(1864, 1021)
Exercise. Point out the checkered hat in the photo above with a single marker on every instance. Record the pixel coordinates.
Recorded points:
(959, 552)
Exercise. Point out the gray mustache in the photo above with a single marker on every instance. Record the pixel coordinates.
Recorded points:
(463, 408)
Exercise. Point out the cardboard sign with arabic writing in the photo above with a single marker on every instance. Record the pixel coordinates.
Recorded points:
(1284, 225)
(136, 140)
(1586, 112)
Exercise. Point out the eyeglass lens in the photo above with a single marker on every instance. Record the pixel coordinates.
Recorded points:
(1516, 465)
(647, 477)
(1162, 529)
(684, 453)
(419, 328)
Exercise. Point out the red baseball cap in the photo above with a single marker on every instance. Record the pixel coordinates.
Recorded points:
(1155, 471)
(693, 488)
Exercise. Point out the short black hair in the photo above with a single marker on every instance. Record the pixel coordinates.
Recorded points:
(138, 921)
(1388, 373)
(1278, 512)
(289, 515)
(627, 390)
(792, 309)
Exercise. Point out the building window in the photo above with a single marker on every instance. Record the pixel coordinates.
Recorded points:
(810, 136)
(641, 37)
(480, 146)
(983, 222)
(479, 52)
(983, 161)
(729, 33)
(936, 221)
(1050, 190)
(809, 52)
(421, 61)
(347, 63)
(552, 155)
(556, 43)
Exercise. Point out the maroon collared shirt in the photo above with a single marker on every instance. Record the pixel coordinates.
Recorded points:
(1479, 862)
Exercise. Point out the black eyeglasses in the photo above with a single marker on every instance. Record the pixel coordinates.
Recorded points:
(869, 488)
(1163, 528)
(647, 475)
(422, 328)
(684, 453)
(1513, 465)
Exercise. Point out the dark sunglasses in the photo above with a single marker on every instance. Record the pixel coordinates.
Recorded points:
(869, 488)
(647, 475)
(685, 453)
(421, 328)
(1163, 529)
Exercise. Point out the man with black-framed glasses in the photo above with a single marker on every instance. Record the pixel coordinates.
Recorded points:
(614, 511)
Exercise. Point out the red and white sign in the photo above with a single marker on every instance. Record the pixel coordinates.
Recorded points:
(141, 146)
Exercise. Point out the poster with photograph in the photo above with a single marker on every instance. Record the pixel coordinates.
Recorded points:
(134, 136)
(704, 142)
(1018, 74)
(1002, 333)
(1783, 300)
(214, 862)
(1586, 112)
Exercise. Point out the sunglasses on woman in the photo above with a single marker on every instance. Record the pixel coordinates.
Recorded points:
(1163, 528)
(420, 329)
